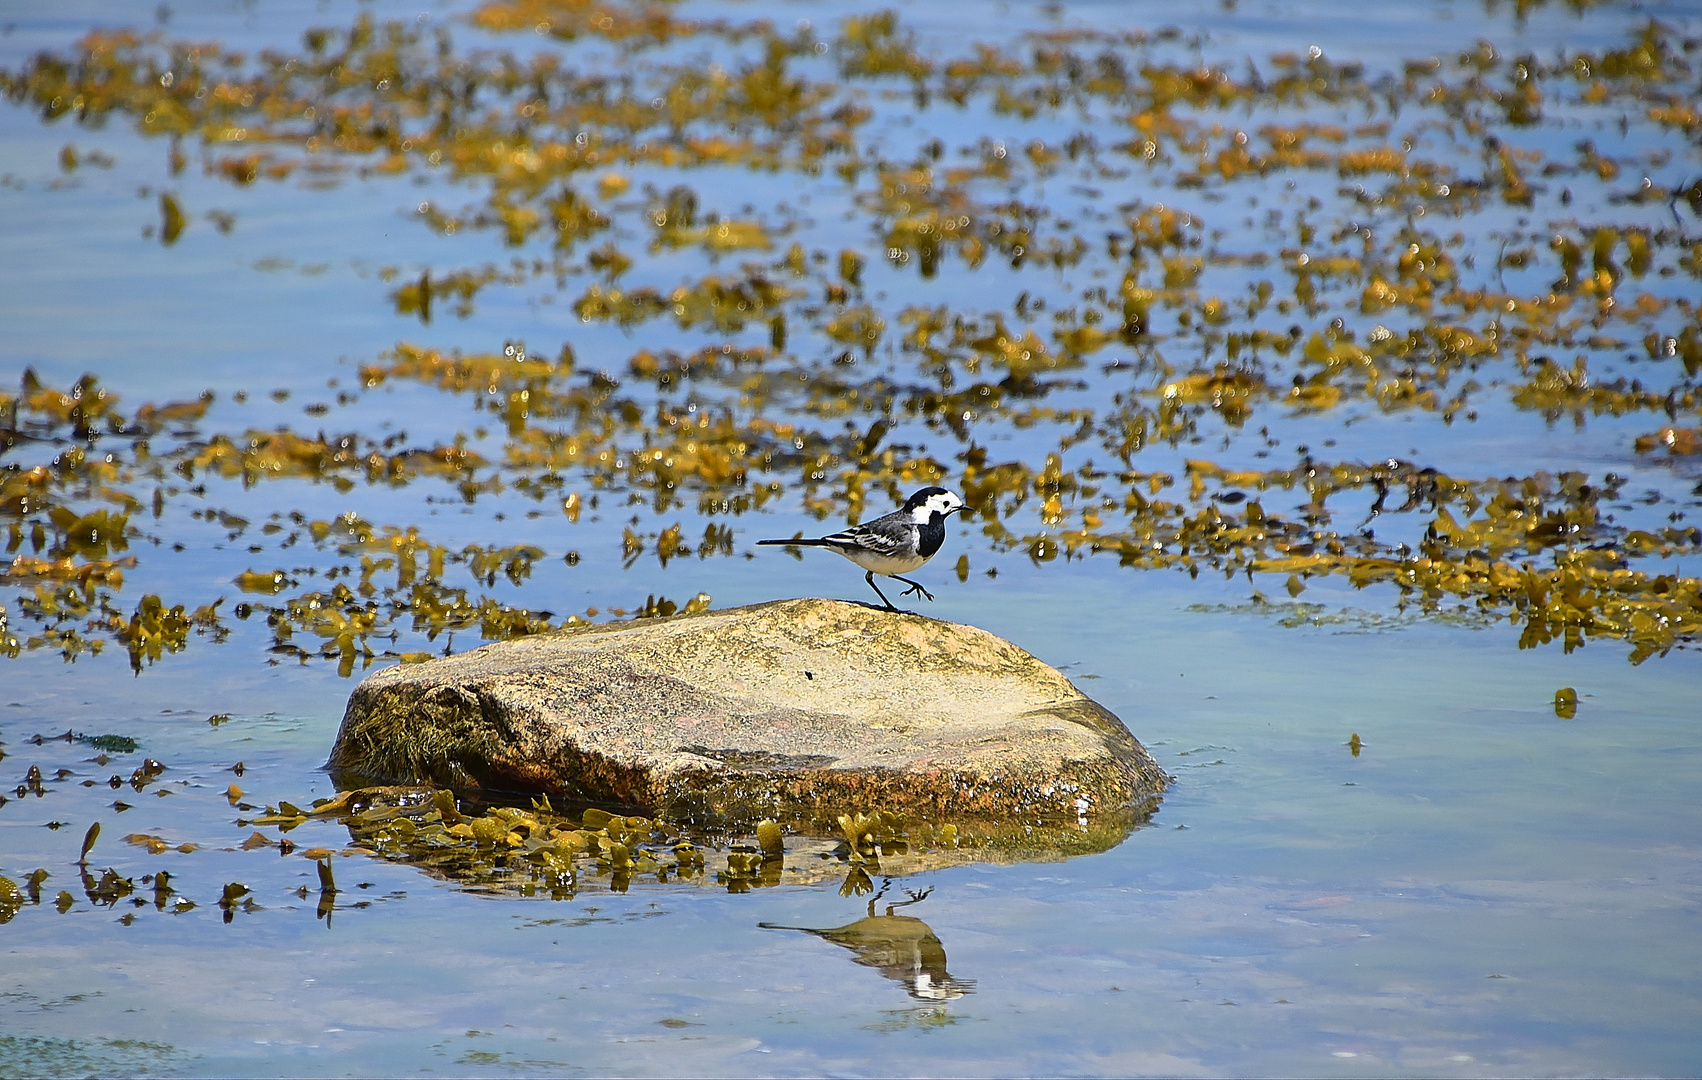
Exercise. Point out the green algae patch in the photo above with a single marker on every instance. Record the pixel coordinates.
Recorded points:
(37, 1055)
(116, 744)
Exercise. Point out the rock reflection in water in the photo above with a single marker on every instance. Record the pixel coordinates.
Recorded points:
(903, 948)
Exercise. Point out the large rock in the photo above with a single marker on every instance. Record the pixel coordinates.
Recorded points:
(798, 710)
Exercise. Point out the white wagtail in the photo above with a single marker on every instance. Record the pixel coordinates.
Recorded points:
(894, 543)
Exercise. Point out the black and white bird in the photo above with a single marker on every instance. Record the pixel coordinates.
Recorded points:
(895, 543)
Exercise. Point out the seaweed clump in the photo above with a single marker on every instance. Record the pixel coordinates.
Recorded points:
(538, 850)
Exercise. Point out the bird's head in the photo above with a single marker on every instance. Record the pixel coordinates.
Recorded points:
(933, 500)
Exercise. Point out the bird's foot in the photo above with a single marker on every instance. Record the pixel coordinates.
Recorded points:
(915, 588)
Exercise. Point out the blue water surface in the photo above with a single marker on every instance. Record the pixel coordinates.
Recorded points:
(1482, 889)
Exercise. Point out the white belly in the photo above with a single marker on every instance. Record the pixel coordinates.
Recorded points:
(882, 564)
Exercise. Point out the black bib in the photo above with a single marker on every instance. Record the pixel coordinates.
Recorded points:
(929, 537)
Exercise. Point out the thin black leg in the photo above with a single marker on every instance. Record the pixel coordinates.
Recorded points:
(870, 578)
(915, 587)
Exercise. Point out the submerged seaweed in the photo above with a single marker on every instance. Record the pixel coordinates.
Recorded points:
(537, 850)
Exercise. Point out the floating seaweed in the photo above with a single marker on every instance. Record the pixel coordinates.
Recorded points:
(1441, 261)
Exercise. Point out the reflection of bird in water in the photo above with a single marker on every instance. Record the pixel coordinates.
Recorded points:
(895, 543)
(904, 949)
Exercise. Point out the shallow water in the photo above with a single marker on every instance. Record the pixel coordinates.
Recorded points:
(1484, 888)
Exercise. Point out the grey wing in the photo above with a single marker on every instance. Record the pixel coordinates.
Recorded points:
(889, 535)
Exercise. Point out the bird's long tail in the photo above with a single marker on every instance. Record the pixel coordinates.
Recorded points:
(800, 542)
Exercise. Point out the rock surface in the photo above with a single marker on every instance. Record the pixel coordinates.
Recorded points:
(798, 710)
